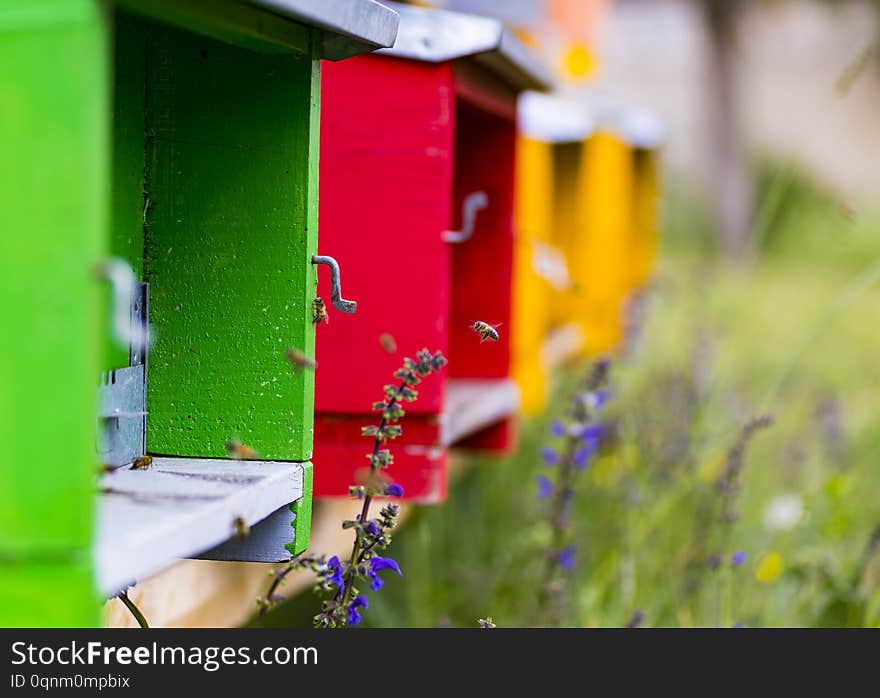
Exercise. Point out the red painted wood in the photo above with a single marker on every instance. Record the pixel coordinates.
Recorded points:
(420, 468)
(400, 148)
(499, 438)
(386, 178)
(482, 267)
(387, 142)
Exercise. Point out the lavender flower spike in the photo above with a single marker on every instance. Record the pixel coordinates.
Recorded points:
(545, 487)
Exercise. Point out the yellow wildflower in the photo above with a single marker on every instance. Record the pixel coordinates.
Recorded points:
(769, 568)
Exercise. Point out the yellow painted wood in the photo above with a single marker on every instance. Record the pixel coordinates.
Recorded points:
(567, 203)
(531, 293)
(601, 258)
(646, 215)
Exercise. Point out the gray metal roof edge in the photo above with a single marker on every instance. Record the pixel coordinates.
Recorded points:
(351, 26)
(437, 36)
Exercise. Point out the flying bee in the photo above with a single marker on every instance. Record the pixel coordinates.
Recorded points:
(389, 344)
(241, 527)
(300, 361)
(141, 463)
(241, 452)
(486, 331)
(319, 311)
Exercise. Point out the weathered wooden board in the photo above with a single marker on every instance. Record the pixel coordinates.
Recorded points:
(474, 404)
(282, 535)
(182, 507)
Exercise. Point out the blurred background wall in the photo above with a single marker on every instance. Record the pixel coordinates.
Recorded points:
(737, 82)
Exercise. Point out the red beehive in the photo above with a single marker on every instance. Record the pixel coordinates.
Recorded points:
(410, 137)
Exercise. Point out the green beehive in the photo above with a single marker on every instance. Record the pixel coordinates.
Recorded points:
(175, 142)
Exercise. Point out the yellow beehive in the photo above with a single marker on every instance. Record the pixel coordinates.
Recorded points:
(615, 232)
(540, 270)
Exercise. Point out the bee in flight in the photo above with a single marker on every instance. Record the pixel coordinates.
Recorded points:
(300, 361)
(141, 463)
(486, 331)
(319, 311)
(240, 452)
(389, 344)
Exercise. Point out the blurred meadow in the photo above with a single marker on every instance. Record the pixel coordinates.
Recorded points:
(793, 336)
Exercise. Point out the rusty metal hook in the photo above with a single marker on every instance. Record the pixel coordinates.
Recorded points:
(342, 305)
(472, 203)
(129, 332)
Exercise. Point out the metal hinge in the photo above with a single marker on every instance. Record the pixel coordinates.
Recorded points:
(122, 415)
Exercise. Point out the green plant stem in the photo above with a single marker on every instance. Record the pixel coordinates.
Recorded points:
(135, 611)
(356, 551)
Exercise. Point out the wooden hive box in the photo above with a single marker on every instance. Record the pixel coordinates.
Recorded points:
(174, 147)
(552, 129)
(410, 135)
(607, 221)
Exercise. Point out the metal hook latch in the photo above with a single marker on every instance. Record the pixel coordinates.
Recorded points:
(472, 203)
(128, 330)
(342, 305)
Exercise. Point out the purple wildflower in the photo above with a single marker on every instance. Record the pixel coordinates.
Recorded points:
(550, 456)
(738, 558)
(335, 566)
(583, 454)
(372, 528)
(566, 557)
(600, 397)
(394, 490)
(557, 428)
(545, 487)
(354, 617)
(377, 564)
(592, 432)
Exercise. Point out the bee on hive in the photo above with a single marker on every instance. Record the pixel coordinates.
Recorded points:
(240, 527)
(486, 331)
(319, 311)
(141, 463)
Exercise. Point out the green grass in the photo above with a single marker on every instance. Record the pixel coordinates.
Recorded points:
(796, 336)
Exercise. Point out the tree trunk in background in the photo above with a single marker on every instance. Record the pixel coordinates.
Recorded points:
(731, 180)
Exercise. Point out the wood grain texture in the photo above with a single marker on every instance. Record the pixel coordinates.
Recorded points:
(181, 507)
(231, 228)
(54, 182)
